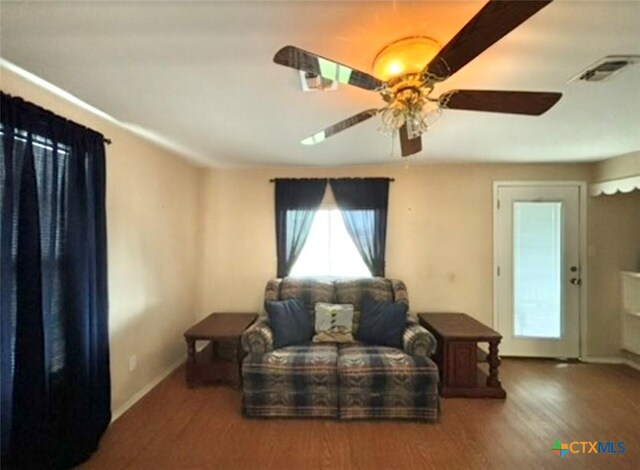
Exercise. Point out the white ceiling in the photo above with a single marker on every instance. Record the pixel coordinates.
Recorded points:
(200, 74)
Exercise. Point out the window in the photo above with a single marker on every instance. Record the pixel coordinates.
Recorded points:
(49, 160)
(329, 250)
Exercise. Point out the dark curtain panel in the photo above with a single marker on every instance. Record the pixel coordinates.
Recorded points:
(363, 205)
(297, 201)
(56, 391)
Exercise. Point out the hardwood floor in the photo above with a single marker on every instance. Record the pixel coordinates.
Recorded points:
(178, 428)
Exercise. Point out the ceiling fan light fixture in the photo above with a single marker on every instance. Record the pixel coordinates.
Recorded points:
(409, 69)
(405, 56)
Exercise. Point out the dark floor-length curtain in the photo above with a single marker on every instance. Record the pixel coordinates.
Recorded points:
(297, 201)
(363, 204)
(56, 390)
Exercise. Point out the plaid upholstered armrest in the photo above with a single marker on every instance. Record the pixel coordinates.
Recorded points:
(417, 340)
(258, 338)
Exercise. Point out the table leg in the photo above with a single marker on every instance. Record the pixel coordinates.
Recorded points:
(494, 362)
(191, 363)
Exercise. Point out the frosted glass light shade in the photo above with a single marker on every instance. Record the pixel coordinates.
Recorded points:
(406, 56)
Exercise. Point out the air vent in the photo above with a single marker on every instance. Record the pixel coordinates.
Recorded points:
(605, 68)
(312, 82)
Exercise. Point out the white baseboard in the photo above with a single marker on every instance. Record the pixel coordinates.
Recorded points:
(147, 388)
(611, 360)
(602, 360)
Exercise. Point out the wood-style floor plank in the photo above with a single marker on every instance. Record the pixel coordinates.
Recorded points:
(174, 427)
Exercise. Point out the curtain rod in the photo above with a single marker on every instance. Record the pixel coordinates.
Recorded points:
(47, 146)
(273, 180)
(106, 140)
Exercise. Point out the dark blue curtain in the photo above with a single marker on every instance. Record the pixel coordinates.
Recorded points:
(56, 390)
(363, 204)
(297, 201)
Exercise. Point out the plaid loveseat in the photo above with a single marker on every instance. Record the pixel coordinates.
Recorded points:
(346, 381)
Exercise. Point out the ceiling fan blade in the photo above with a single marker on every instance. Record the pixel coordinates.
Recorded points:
(291, 56)
(494, 21)
(515, 102)
(409, 146)
(339, 127)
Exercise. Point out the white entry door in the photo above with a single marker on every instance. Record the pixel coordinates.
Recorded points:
(538, 283)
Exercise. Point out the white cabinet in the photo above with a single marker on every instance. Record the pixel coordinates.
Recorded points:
(630, 321)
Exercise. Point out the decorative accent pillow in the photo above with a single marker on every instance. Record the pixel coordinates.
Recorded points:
(290, 322)
(382, 323)
(334, 323)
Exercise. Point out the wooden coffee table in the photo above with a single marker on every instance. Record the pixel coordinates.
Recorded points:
(221, 359)
(458, 355)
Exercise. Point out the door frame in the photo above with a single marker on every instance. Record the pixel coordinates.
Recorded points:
(582, 205)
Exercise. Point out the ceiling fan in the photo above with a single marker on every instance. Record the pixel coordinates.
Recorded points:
(410, 108)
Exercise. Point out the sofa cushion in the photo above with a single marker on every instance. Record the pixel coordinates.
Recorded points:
(290, 322)
(381, 369)
(383, 382)
(352, 291)
(382, 323)
(334, 323)
(292, 381)
(310, 291)
(294, 367)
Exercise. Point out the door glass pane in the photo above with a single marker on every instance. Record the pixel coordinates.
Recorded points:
(536, 269)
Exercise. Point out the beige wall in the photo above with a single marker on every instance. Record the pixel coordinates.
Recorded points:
(440, 238)
(622, 166)
(153, 243)
(185, 241)
(614, 230)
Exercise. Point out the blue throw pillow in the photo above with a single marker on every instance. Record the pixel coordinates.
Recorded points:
(382, 323)
(289, 321)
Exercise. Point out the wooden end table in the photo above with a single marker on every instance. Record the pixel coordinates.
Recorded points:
(209, 365)
(458, 355)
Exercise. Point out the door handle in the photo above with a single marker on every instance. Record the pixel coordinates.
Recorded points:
(576, 281)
